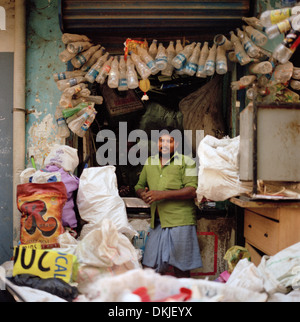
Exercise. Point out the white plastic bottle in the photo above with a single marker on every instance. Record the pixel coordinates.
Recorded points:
(264, 67)
(221, 61)
(67, 74)
(123, 86)
(78, 47)
(81, 132)
(243, 82)
(132, 78)
(271, 17)
(150, 62)
(141, 67)
(249, 47)
(178, 47)
(221, 40)
(83, 57)
(202, 60)
(161, 57)
(153, 49)
(76, 124)
(86, 67)
(65, 83)
(168, 71)
(180, 60)
(254, 22)
(63, 130)
(240, 53)
(256, 36)
(67, 38)
(113, 76)
(279, 28)
(284, 51)
(210, 64)
(192, 63)
(105, 69)
(66, 56)
(92, 74)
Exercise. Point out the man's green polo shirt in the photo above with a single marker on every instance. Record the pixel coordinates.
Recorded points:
(179, 172)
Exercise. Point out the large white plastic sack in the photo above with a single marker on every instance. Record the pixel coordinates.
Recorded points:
(281, 272)
(64, 157)
(98, 198)
(114, 289)
(218, 177)
(104, 246)
(246, 275)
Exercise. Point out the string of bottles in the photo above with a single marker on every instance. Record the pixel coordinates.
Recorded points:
(270, 73)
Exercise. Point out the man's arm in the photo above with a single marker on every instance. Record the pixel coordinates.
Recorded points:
(181, 194)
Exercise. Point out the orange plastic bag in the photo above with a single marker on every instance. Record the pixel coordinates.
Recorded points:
(41, 206)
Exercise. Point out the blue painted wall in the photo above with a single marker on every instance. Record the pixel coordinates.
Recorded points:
(42, 96)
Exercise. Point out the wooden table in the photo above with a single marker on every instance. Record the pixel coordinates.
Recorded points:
(269, 226)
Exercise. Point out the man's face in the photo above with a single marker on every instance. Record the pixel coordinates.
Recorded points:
(166, 145)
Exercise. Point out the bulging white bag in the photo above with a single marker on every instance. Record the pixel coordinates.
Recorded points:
(63, 156)
(218, 177)
(98, 198)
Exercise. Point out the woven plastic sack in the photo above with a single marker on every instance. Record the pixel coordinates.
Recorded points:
(64, 157)
(98, 198)
(218, 177)
(41, 207)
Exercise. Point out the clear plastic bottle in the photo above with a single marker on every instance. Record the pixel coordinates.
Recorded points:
(178, 47)
(67, 38)
(221, 61)
(150, 62)
(63, 130)
(90, 98)
(141, 67)
(65, 100)
(283, 72)
(81, 132)
(192, 63)
(153, 49)
(271, 17)
(280, 28)
(83, 57)
(232, 57)
(92, 74)
(254, 22)
(65, 83)
(180, 60)
(77, 123)
(252, 92)
(210, 64)
(168, 71)
(264, 67)
(256, 36)
(132, 78)
(66, 56)
(221, 40)
(78, 47)
(296, 73)
(86, 67)
(202, 60)
(295, 84)
(284, 51)
(70, 91)
(250, 49)
(123, 86)
(161, 57)
(67, 74)
(114, 74)
(240, 53)
(105, 69)
(243, 82)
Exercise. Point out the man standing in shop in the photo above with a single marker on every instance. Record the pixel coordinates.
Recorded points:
(168, 182)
